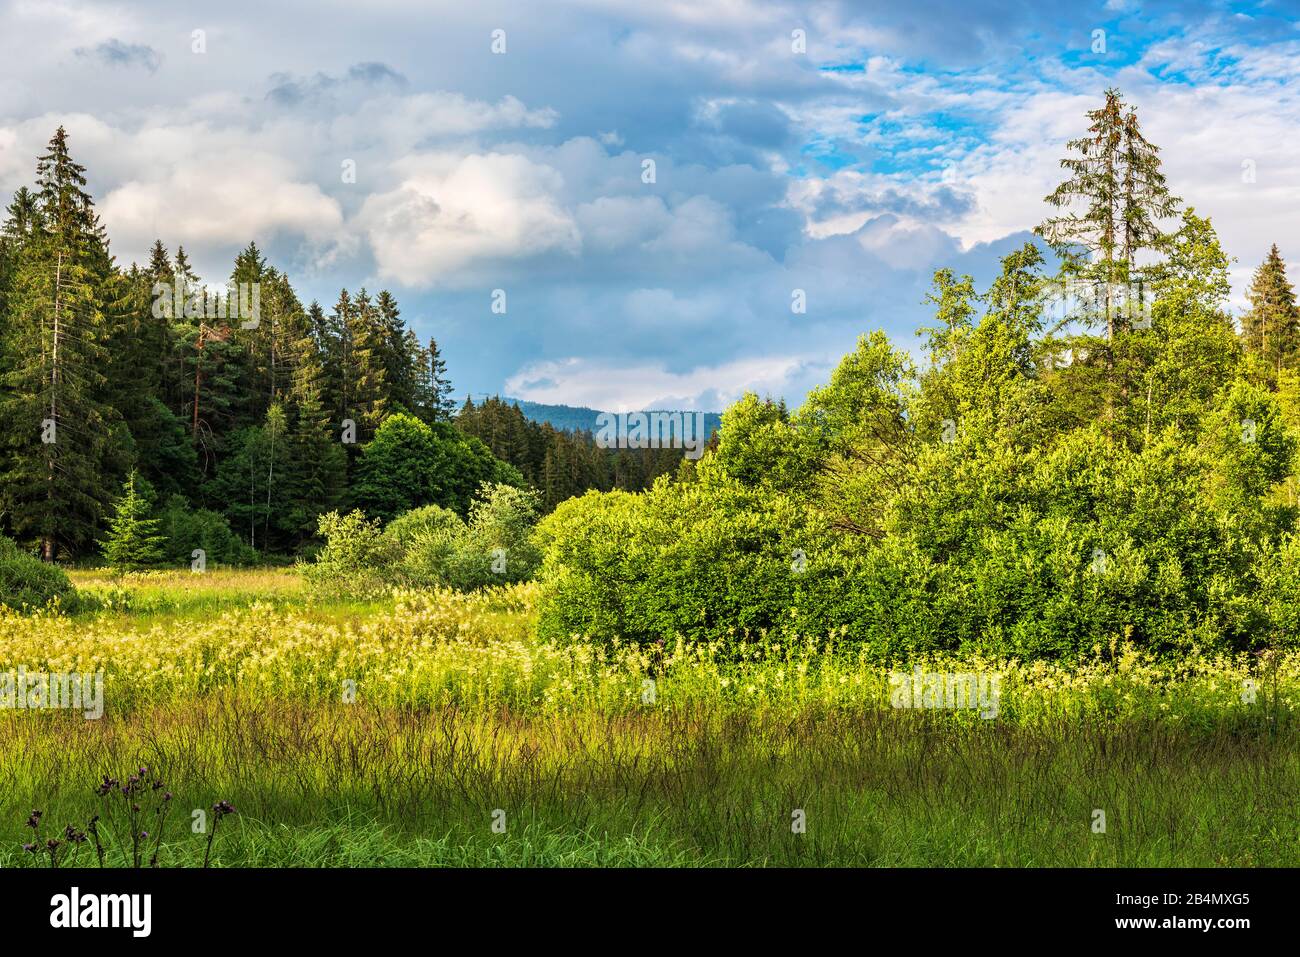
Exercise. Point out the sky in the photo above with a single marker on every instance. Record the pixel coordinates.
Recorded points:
(648, 188)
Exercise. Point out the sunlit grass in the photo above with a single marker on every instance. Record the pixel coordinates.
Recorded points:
(388, 732)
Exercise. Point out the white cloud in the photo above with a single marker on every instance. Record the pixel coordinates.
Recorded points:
(631, 386)
(453, 211)
(220, 199)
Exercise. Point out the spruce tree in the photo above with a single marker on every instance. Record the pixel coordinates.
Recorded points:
(1271, 329)
(1116, 180)
(133, 541)
(54, 420)
(441, 401)
(369, 378)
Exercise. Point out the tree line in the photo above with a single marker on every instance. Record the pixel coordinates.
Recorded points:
(243, 403)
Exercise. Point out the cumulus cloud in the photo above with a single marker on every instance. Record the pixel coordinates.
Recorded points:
(452, 211)
(220, 199)
(901, 140)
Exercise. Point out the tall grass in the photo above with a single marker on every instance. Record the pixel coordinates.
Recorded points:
(360, 785)
(238, 687)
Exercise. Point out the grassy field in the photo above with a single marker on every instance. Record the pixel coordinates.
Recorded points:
(432, 729)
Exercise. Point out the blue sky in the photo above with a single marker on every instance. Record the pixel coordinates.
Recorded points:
(898, 138)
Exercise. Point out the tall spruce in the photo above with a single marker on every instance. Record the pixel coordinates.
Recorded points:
(1114, 201)
(53, 415)
(1271, 328)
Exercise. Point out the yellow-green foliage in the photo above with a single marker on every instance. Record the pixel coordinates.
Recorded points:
(430, 648)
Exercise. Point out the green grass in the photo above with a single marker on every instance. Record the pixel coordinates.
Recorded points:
(588, 774)
(350, 785)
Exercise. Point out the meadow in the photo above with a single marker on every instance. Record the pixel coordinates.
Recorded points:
(431, 727)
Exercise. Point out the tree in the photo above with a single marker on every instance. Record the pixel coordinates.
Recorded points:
(55, 421)
(1115, 177)
(1271, 329)
(410, 463)
(441, 402)
(133, 541)
(369, 392)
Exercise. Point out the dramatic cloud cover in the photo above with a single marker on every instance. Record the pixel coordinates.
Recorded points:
(648, 183)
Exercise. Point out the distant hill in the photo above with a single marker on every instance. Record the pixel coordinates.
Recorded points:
(571, 418)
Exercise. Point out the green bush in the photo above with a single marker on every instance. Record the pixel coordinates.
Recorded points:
(1050, 554)
(710, 560)
(28, 582)
(428, 540)
(431, 546)
(356, 560)
(495, 547)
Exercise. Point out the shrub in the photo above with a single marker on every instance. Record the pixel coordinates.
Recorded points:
(26, 581)
(357, 558)
(435, 547)
(707, 561)
(502, 522)
(428, 540)
(186, 529)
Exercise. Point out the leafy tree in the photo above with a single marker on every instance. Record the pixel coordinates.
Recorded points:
(410, 463)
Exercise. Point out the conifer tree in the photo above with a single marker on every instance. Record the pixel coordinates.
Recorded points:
(54, 422)
(441, 400)
(1271, 329)
(369, 382)
(133, 541)
(1115, 178)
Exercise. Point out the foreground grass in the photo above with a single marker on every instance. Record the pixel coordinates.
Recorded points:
(388, 733)
(353, 785)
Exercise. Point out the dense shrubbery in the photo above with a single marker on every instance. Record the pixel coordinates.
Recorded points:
(186, 529)
(709, 559)
(410, 464)
(998, 502)
(431, 546)
(26, 581)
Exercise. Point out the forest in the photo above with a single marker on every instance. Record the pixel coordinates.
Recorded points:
(236, 431)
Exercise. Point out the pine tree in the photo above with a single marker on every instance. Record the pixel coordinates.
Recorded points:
(1115, 175)
(54, 421)
(1271, 329)
(133, 541)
